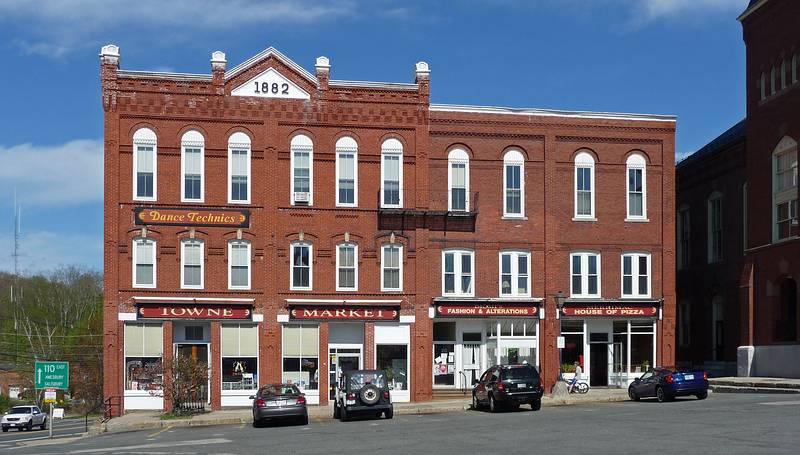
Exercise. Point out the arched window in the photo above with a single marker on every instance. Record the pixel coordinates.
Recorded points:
(347, 267)
(584, 186)
(144, 262)
(239, 168)
(391, 173)
(192, 264)
(302, 163)
(784, 195)
(458, 180)
(714, 227)
(637, 187)
(192, 166)
(145, 165)
(347, 172)
(794, 68)
(513, 184)
(773, 81)
(786, 321)
(783, 74)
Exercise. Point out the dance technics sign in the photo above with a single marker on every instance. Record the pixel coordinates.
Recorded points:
(183, 217)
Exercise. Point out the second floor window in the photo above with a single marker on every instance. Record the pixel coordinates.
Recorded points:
(684, 233)
(239, 168)
(239, 264)
(585, 274)
(715, 227)
(192, 264)
(392, 267)
(457, 273)
(144, 165)
(458, 180)
(144, 263)
(784, 188)
(635, 275)
(514, 184)
(515, 273)
(346, 172)
(392, 173)
(584, 185)
(302, 159)
(301, 266)
(346, 267)
(192, 166)
(637, 187)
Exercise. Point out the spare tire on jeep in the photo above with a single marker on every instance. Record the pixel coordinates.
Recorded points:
(369, 394)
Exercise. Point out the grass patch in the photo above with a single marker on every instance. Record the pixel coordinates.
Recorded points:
(171, 416)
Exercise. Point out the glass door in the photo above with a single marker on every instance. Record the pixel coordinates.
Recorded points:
(471, 357)
(341, 360)
(197, 352)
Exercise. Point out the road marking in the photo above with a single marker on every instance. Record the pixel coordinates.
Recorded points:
(159, 431)
(157, 445)
(782, 403)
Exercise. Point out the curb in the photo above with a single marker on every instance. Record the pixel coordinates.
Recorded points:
(753, 389)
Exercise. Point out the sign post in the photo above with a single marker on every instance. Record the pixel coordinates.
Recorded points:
(51, 375)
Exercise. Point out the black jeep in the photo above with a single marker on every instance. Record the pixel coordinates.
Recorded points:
(362, 392)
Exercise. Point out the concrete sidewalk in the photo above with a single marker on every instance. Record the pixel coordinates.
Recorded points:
(144, 420)
(754, 385)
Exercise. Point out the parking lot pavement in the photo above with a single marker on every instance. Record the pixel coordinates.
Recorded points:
(63, 428)
(722, 424)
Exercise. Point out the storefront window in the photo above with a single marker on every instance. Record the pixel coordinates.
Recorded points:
(239, 346)
(572, 331)
(143, 352)
(393, 360)
(301, 356)
(517, 342)
(444, 355)
(620, 346)
(641, 346)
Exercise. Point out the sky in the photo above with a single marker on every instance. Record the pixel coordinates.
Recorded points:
(679, 57)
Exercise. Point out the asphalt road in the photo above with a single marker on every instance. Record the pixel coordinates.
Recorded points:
(63, 428)
(722, 424)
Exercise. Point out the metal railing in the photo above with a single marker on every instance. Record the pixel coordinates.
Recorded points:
(464, 382)
(109, 405)
(453, 201)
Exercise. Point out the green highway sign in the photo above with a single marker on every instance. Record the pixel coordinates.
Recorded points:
(52, 375)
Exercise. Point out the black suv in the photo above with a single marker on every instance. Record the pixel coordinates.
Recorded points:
(510, 385)
(362, 392)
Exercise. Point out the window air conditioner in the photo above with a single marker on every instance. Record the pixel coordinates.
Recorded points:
(302, 196)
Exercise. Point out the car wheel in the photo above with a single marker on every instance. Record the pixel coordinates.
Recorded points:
(702, 395)
(661, 396)
(30, 425)
(303, 420)
(536, 405)
(492, 404)
(369, 394)
(5, 430)
(43, 426)
(632, 394)
(257, 423)
(343, 415)
(336, 411)
(389, 414)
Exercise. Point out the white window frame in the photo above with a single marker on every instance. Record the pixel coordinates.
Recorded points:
(310, 266)
(338, 265)
(584, 160)
(145, 137)
(392, 147)
(400, 266)
(458, 156)
(348, 146)
(635, 162)
(584, 255)
(135, 262)
(239, 141)
(515, 255)
(786, 146)
(459, 252)
(712, 258)
(193, 139)
(202, 263)
(301, 142)
(635, 256)
(514, 157)
(249, 264)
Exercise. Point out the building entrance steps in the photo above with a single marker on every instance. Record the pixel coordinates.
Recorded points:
(754, 385)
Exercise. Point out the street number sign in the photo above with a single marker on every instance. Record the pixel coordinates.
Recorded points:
(51, 375)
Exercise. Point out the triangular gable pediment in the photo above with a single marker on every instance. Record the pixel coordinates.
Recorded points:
(270, 74)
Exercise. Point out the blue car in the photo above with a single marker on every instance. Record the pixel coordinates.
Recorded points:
(667, 383)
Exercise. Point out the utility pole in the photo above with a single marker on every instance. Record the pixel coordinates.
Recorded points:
(15, 255)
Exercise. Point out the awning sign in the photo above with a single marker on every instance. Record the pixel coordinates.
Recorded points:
(344, 313)
(447, 310)
(178, 311)
(645, 311)
(183, 217)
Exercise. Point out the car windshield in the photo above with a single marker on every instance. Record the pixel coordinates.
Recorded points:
(359, 380)
(283, 389)
(527, 372)
(19, 410)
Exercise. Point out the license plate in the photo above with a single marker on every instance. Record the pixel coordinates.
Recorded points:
(522, 386)
(281, 402)
(688, 377)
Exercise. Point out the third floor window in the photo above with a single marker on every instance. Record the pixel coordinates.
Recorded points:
(584, 186)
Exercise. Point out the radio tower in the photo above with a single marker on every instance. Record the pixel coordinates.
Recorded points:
(17, 228)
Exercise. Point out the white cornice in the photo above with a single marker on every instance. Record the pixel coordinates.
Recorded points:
(277, 54)
(368, 84)
(751, 10)
(163, 75)
(193, 299)
(549, 112)
(343, 301)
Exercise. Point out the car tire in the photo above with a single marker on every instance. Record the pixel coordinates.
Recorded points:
(389, 414)
(702, 395)
(632, 394)
(661, 395)
(43, 426)
(343, 415)
(30, 425)
(257, 423)
(536, 405)
(369, 394)
(336, 411)
(5, 430)
(19, 428)
(493, 406)
(303, 420)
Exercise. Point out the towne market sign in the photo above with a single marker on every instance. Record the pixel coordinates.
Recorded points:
(344, 313)
(447, 310)
(168, 311)
(646, 311)
(183, 217)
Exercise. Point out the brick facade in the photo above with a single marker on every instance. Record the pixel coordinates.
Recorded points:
(370, 113)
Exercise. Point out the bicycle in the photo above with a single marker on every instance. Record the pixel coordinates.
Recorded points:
(581, 387)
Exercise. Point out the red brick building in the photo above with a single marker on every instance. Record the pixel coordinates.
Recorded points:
(284, 226)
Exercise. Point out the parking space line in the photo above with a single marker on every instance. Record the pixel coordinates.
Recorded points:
(159, 431)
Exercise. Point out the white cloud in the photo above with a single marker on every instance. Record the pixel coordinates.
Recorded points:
(654, 9)
(44, 250)
(66, 174)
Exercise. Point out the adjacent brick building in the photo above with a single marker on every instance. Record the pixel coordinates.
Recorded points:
(283, 226)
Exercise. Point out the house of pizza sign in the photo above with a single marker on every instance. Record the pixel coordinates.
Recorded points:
(159, 311)
(456, 310)
(344, 313)
(611, 310)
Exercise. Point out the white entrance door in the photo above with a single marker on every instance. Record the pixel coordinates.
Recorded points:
(343, 357)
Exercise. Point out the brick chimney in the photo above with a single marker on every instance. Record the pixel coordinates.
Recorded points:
(323, 69)
(109, 65)
(422, 76)
(218, 64)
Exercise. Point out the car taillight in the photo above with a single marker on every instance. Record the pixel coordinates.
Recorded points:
(260, 403)
(351, 396)
(501, 387)
(301, 400)
(669, 378)
(705, 375)
(386, 395)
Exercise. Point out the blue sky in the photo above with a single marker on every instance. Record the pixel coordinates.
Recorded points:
(682, 57)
